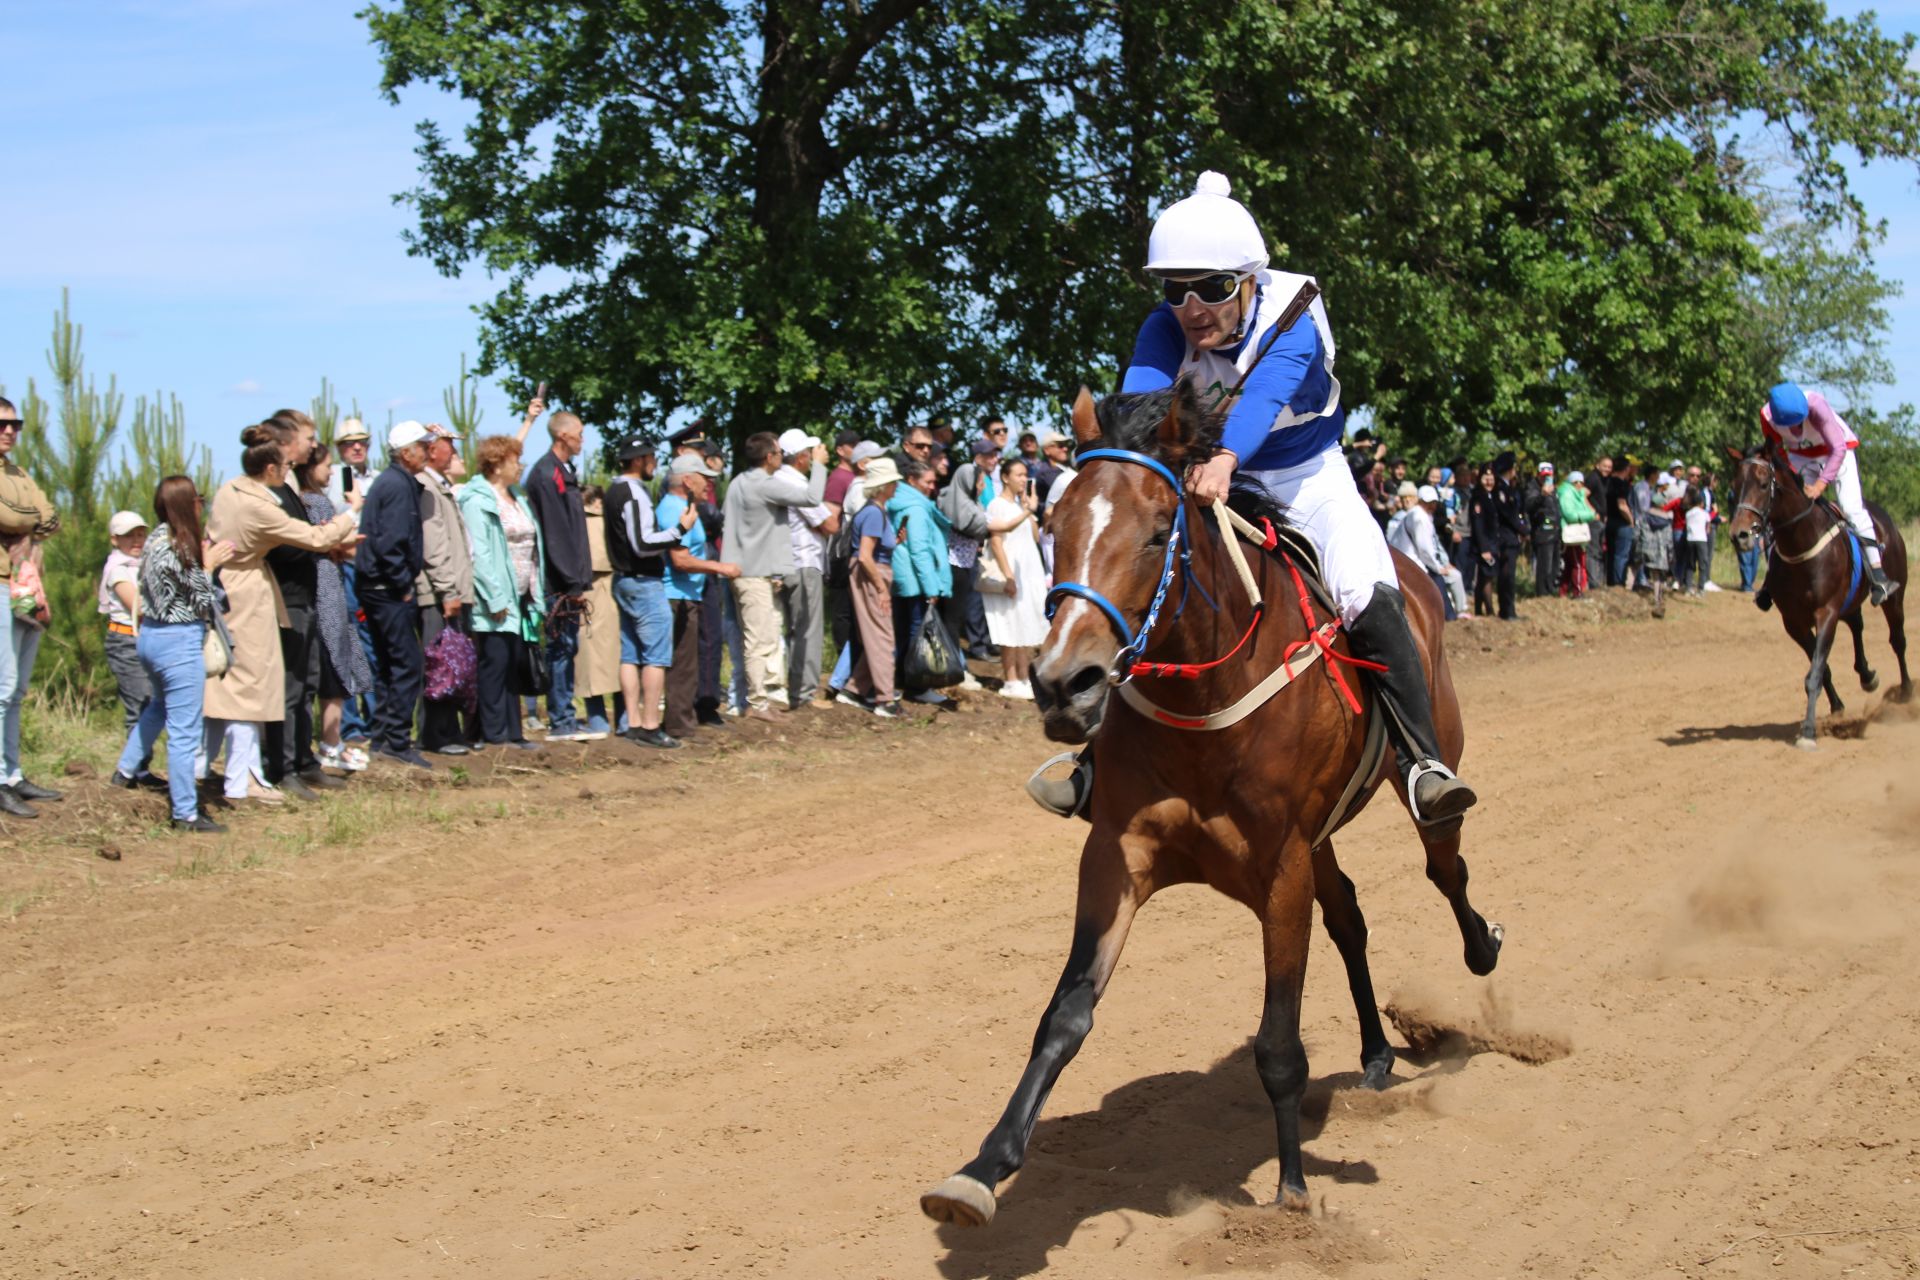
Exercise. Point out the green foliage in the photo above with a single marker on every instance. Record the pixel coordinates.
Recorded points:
(90, 471)
(1890, 460)
(462, 401)
(325, 413)
(1531, 220)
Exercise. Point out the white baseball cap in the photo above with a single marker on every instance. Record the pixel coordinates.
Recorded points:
(1208, 231)
(405, 433)
(1055, 437)
(866, 449)
(125, 522)
(1429, 494)
(793, 440)
(1576, 477)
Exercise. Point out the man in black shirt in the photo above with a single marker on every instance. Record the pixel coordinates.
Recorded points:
(553, 491)
(637, 550)
(392, 554)
(287, 748)
(1610, 500)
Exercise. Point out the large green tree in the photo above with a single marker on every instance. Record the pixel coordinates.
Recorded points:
(1531, 219)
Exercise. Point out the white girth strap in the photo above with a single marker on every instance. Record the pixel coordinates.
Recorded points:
(1256, 697)
(1833, 531)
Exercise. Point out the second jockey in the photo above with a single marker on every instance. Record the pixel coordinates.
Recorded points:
(1281, 439)
(1820, 448)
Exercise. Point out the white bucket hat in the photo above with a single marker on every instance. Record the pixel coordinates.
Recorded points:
(1208, 231)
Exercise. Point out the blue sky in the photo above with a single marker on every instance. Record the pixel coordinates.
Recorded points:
(214, 180)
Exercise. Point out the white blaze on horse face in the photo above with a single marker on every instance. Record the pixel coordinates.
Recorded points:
(1100, 511)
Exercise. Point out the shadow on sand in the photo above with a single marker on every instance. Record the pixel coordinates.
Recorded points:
(1155, 1146)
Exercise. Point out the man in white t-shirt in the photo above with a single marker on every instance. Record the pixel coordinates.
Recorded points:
(804, 600)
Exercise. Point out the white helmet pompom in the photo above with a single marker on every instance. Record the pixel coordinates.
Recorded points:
(1211, 183)
(1208, 231)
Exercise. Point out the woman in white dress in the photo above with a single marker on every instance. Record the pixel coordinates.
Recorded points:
(1013, 579)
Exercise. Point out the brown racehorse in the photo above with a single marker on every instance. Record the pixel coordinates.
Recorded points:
(1237, 809)
(1812, 573)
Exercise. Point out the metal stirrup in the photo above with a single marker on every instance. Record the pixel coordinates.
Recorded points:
(1419, 771)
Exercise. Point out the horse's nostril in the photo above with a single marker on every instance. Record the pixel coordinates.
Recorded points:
(1084, 679)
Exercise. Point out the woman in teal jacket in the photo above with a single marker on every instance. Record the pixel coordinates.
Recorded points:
(921, 574)
(508, 552)
(1575, 512)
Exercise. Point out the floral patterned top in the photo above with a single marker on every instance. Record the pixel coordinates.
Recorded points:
(171, 591)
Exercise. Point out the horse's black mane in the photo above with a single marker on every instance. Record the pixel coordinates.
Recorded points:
(1132, 421)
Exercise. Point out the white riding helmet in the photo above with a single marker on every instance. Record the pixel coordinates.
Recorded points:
(1208, 231)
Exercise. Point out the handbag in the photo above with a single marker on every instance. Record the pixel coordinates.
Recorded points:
(1574, 535)
(933, 659)
(216, 651)
(989, 581)
(531, 676)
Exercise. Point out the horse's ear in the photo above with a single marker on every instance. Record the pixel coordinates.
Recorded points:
(1086, 427)
(1183, 414)
(1735, 452)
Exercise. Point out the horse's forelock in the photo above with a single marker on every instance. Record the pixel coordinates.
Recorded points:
(1132, 421)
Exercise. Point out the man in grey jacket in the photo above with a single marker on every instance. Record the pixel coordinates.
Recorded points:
(444, 588)
(759, 505)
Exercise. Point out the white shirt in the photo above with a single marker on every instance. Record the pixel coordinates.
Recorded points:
(809, 544)
(1697, 524)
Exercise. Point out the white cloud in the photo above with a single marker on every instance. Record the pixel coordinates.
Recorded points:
(245, 387)
(397, 402)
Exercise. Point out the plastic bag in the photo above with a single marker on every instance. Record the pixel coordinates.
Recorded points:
(933, 661)
(453, 669)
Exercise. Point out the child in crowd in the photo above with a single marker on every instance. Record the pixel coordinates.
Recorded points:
(1693, 578)
(119, 599)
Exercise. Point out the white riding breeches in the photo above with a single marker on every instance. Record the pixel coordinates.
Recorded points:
(1321, 500)
(1846, 491)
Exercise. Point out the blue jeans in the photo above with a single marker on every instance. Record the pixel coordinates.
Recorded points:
(842, 667)
(356, 713)
(563, 645)
(24, 649)
(8, 675)
(1749, 566)
(177, 674)
(1622, 553)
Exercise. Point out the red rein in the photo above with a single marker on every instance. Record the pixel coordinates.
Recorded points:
(1317, 636)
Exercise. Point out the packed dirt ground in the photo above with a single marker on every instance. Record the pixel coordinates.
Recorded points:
(728, 1012)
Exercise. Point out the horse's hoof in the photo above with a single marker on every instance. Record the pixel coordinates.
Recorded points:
(1869, 682)
(1806, 744)
(1294, 1199)
(963, 1201)
(1377, 1074)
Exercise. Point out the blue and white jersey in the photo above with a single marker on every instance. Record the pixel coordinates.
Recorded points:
(1289, 411)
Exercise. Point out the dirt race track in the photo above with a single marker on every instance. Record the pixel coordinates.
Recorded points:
(729, 1013)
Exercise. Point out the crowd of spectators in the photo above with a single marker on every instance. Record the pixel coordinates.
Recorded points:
(322, 612)
(1623, 524)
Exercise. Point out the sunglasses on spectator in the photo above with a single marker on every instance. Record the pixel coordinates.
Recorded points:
(11, 424)
(1212, 289)
(919, 444)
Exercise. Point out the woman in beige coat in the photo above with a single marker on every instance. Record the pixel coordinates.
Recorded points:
(596, 671)
(253, 691)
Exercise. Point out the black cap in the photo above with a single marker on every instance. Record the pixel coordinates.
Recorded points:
(846, 436)
(633, 447)
(695, 434)
(1504, 463)
(1363, 436)
(713, 449)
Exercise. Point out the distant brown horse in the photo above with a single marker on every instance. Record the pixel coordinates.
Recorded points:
(1814, 573)
(1238, 808)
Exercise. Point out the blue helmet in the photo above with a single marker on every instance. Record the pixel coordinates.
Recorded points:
(1787, 405)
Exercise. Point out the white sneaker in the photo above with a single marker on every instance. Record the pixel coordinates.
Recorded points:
(262, 793)
(968, 682)
(1019, 689)
(578, 735)
(351, 759)
(1713, 586)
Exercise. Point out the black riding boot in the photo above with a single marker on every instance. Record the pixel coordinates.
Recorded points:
(1381, 634)
(1064, 797)
(1879, 587)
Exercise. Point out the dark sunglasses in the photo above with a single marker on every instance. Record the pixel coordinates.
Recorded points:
(11, 424)
(1212, 289)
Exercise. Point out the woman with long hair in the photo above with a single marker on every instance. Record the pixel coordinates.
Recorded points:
(344, 670)
(176, 601)
(246, 513)
(1016, 607)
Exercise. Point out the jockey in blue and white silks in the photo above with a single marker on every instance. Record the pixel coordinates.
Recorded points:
(1282, 439)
